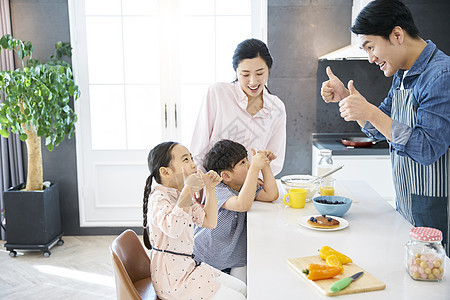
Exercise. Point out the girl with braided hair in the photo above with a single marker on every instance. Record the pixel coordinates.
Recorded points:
(170, 210)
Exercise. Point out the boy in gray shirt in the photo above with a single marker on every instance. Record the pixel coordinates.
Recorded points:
(225, 247)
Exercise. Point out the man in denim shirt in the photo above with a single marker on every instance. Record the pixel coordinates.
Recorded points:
(415, 115)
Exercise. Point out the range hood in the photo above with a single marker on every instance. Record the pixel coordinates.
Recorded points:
(352, 51)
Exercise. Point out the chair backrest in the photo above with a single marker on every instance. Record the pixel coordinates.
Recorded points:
(131, 267)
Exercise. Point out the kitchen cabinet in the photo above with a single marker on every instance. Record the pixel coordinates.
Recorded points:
(371, 164)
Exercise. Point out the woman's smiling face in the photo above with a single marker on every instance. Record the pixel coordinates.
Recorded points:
(252, 74)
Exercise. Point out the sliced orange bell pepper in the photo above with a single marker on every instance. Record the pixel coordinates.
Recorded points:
(317, 272)
(333, 261)
(325, 251)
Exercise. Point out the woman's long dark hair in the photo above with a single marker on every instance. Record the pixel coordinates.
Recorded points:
(252, 48)
(160, 156)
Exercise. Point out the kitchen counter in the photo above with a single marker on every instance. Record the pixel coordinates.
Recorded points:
(332, 141)
(375, 240)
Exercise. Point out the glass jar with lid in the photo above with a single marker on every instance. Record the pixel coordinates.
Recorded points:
(425, 256)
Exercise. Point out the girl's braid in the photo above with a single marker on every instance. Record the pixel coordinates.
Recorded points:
(148, 185)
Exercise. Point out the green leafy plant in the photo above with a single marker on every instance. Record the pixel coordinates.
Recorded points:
(37, 102)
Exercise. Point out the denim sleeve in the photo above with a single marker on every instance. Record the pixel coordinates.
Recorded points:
(385, 107)
(430, 137)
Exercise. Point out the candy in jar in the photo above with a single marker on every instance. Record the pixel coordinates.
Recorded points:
(425, 256)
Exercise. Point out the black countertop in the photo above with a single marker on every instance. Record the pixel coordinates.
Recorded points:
(333, 142)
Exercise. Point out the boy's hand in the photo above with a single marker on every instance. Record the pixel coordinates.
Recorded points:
(269, 154)
(211, 179)
(260, 182)
(259, 160)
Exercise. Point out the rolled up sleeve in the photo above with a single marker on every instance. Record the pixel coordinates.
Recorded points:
(371, 131)
(400, 134)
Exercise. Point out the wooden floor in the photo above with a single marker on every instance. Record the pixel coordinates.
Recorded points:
(79, 269)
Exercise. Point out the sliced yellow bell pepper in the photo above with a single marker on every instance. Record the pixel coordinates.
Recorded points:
(333, 261)
(325, 251)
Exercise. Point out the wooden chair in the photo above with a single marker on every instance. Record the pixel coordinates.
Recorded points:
(131, 268)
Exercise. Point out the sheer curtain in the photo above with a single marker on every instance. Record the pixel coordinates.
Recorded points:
(11, 161)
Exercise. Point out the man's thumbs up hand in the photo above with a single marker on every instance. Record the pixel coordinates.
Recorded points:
(333, 90)
(354, 107)
(351, 88)
(330, 74)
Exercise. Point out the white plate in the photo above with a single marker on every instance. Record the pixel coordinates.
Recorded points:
(342, 224)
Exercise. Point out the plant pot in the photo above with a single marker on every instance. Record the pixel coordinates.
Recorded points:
(33, 218)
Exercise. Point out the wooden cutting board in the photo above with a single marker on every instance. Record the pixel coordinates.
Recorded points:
(365, 283)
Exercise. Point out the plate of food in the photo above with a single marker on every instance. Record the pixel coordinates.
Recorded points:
(323, 223)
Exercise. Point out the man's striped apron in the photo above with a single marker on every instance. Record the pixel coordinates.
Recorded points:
(421, 191)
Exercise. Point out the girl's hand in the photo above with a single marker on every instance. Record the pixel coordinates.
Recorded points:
(193, 181)
(198, 197)
(211, 179)
(192, 184)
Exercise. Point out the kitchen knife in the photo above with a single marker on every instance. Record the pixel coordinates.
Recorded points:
(343, 283)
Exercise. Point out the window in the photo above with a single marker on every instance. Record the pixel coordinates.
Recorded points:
(143, 67)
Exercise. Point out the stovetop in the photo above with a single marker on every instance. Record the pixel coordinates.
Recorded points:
(333, 142)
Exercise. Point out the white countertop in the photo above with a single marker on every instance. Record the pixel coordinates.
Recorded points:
(375, 240)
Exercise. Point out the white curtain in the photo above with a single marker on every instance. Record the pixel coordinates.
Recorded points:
(11, 158)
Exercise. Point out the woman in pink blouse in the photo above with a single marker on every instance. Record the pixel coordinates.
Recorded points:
(172, 214)
(243, 111)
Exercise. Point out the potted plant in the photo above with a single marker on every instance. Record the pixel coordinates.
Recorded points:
(36, 105)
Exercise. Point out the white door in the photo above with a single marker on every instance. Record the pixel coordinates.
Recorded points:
(143, 67)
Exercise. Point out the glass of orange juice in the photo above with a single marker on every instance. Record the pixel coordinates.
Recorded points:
(327, 187)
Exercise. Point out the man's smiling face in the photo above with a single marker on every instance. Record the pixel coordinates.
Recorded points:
(382, 52)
